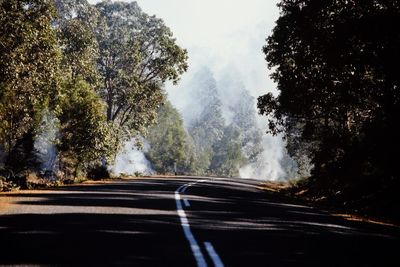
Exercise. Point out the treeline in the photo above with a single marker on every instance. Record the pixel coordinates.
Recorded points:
(208, 143)
(78, 80)
(336, 67)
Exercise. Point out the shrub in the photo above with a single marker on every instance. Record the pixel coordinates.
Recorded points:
(98, 172)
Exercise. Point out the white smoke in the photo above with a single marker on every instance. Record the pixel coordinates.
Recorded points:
(45, 142)
(268, 166)
(232, 49)
(230, 85)
(131, 160)
(229, 44)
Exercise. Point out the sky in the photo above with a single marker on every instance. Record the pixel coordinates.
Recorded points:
(220, 34)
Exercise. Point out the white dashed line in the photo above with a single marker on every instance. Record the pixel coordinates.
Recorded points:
(213, 255)
(187, 204)
(194, 245)
(198, 255)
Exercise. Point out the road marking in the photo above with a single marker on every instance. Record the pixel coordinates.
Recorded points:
(213, 254)
(194, 245)
(198, 255)
(187, 204)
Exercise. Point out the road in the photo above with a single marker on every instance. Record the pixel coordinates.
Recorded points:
(183, 222)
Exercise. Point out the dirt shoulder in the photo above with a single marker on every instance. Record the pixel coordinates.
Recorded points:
(4, 202)
(284, 190)
(6, 197)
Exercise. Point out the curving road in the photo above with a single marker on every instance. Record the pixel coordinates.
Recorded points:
(183, 222)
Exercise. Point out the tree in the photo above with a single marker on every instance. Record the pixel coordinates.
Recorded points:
(208, 128)
(168, 141)
(335, 64)
(137, 54)
(222, 149)
(75, 33)
(244, 118)
(85, 135)
(29, 58)
(96, 72)
(227, 155)
(80, 108)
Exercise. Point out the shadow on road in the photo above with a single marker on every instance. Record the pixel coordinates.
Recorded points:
(115, 224)
(249, 227)
(136, 223)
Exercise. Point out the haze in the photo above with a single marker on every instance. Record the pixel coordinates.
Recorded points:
(219, 34)
(226, 37)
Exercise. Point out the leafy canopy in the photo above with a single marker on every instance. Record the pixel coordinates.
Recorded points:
(335, 65)
(137, 54)
(29, 58)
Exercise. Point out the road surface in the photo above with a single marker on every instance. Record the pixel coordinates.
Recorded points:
(183, 222)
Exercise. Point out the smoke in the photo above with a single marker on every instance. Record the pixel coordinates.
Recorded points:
(231, 47)
(230, 85)
(268, 166)
(131, 160)
(45, 142)
(232, 79)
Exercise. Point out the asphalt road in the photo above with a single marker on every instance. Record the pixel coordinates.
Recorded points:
(183, 222)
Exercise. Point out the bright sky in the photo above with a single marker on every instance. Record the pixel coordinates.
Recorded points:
(221, 34)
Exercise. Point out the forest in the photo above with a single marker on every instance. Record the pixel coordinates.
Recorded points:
(76, 81)
(80, 81)
(207, 144)
(335, 64)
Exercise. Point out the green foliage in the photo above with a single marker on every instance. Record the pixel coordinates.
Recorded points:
(208, 128)
(85, 134)
(79, 46)
(138, 174)
(244, 118)
(219, 149)
(227, 153)
(80, 108)
(199, 161)
(137, 54)
(29, 58)
(94, 72)
(79, 51)
(335, 64)
(167, 140)
(71, 10)
(209, 147)
(98, 172)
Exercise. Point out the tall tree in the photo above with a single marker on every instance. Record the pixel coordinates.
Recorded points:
(208, 128)
(335, 64)
(85, 136)
(244, 118)
(168, 141)
(75, 31)
(80, 108)
(29, 58)
(137, 54)
(227, 155)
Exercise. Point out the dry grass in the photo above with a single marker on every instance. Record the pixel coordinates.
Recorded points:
(22, 192)
(274, 186)
(280, 187)
(4, 202)
(357, 218)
